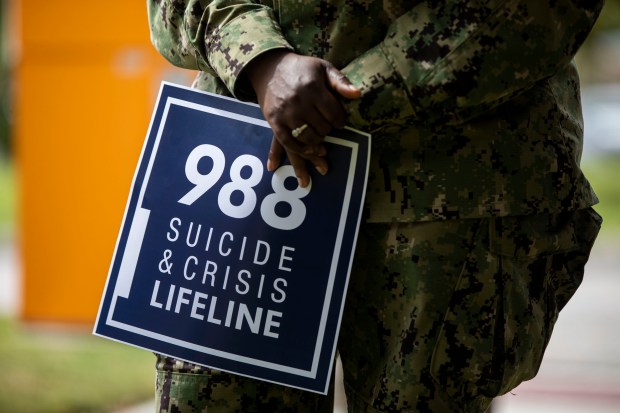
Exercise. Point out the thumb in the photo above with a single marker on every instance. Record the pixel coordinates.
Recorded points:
(341, 84)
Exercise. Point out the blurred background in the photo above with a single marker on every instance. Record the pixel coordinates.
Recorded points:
(78, 81)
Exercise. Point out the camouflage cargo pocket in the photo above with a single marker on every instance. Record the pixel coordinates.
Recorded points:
(507, 299)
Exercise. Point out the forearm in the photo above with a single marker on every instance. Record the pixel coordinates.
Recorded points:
(448, 64)
(220, 37)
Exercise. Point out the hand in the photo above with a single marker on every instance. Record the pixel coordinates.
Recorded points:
(294, 90)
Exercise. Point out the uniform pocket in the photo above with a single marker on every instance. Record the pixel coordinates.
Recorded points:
(507, 299)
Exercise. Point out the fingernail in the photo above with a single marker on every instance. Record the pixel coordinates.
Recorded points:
(322, 170)
(309, 150)
(270, 165)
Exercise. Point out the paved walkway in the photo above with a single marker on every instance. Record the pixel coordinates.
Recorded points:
(9, 278)
(581, 370)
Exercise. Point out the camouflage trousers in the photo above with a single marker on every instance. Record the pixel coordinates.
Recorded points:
(440, 317)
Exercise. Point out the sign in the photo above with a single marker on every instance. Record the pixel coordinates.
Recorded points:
(223, 264)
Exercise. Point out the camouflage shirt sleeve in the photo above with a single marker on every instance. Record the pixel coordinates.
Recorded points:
(220, 37)
(451, 61)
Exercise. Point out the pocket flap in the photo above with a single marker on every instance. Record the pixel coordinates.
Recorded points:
(533, 235)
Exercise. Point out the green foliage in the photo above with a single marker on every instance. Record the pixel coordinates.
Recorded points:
(51, 371)
(610, 16)
(603, 174)
(7, 197)
(5, 82)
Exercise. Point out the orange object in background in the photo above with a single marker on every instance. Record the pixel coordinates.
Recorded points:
(86, 82)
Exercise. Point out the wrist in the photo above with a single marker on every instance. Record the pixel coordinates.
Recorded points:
(259, 69)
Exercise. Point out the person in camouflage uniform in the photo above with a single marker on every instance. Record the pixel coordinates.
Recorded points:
(478, 218)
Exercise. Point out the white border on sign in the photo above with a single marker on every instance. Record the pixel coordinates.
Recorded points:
(137, 232)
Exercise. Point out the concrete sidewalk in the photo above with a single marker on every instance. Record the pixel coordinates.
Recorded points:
(581, 369)
(10, 279)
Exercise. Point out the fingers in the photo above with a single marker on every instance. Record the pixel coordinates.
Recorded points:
(298, 162)
(319, 126)
(300, 167)
(275, 155)
(341, 84)
(297, 145)
(302, 90)
(294, 91)
(328, 112)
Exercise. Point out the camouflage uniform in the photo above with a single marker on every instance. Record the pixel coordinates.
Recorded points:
(478, 219)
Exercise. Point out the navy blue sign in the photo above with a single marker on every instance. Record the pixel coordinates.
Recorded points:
(222, 263)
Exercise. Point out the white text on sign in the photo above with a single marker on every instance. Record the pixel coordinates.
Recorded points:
(245, 185)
